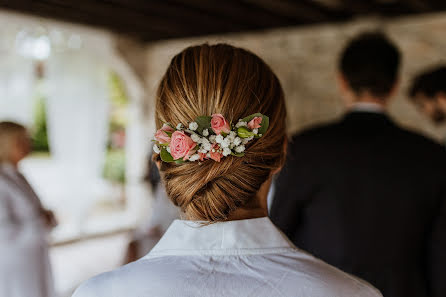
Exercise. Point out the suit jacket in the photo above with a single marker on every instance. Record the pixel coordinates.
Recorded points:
(370, 198)
(24, 262)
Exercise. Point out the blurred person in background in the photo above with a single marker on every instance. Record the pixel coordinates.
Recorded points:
(24, 223)
(364, 194)
(428, 92)
(163, 213)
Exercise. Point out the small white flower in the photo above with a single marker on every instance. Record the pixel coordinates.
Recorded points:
(193, 126)
(226, 151)
(237, 141)
(205, 132)
(260, 135)
(194, 157)
(232, 134)
(241, 124)
(246, 140)
(225, 143)
(219, 139)
(179, 126)
(208, 155)
(195, 138)
(168, 149)
(206, 146)
(255, 131)
(203, 151)
(240, 149)
(156, 149)
(212, 138)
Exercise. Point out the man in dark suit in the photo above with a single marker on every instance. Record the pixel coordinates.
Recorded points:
(364, 194)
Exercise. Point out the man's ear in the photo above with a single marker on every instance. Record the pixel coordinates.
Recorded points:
(345, 90)
(343, 85)
(441, 97)
(394, 89)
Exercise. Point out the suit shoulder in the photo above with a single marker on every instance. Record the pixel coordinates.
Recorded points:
(316, 134)
(315, 131)
(428, 147)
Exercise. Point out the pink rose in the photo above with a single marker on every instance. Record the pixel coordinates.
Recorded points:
(181, 145)
(219, 124)
(217, 155)
(161, 136)
(255, 123)
(202, 156)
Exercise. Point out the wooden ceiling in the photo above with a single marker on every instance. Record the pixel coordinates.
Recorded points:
(150, 20)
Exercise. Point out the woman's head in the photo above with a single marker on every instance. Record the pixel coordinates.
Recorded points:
(221, 79)
(14, 142)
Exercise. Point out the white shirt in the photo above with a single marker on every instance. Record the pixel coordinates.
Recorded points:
(229, 259)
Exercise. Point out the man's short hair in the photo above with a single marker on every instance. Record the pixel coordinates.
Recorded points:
(8, 130)
(429, 83)
(370, 62)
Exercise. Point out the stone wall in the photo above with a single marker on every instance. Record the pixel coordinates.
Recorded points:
(305, 60)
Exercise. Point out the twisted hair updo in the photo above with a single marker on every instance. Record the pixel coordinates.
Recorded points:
(207, 79)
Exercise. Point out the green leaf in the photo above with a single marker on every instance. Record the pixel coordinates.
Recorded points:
(237, 154)
(263, 125)
(165, 156)
(244, 132)
(179, 161)
(203, 123)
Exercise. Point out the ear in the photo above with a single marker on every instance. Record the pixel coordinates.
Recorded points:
(394, 89)
(344, 86)
(346, 92)
(441, 97)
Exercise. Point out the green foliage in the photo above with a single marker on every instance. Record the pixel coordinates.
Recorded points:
(114, 167)
(118, 94)
(203, 123)
(244, 132)
(39, 133)
(263, 126)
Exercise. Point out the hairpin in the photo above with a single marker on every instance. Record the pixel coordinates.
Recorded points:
(208, 137)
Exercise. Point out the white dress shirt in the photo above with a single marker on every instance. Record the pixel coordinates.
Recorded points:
(24, 263)
(229, 259)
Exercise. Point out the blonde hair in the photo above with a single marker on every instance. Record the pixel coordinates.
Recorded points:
(9, 132)
(207, 79)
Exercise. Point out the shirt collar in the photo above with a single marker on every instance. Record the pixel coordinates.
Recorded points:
(367, 107)
(251, 236)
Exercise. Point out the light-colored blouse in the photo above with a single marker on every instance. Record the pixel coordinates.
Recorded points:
(24, 262)
(229, 259)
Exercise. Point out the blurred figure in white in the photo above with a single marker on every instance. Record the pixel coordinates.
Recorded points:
(24, 223)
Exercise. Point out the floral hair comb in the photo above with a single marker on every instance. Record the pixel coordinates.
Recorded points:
(208, 138)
